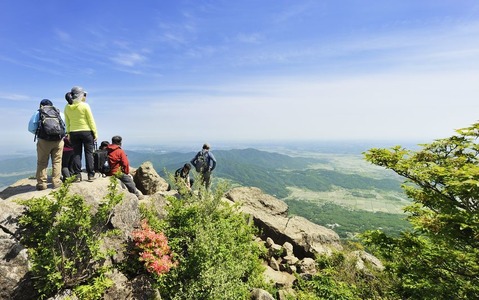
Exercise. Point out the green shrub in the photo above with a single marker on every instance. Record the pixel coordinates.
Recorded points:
(214, 248)
(63, 239)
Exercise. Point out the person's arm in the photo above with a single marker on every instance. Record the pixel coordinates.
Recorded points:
(90, 120)
(67, 119)
(193, 161)
(188, 184)
(125, 165)
(212, 164)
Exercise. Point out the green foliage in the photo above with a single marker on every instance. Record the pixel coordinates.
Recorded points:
(213, 246)
(95, 287)
(338, 278)
(350, 221)
(440, 258)
(63, 238)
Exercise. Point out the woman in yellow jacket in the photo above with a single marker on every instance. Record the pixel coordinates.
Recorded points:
(81, 128)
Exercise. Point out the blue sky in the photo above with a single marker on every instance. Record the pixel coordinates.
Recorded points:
(185, 72)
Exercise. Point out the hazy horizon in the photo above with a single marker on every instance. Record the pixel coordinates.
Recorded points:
(303, 145)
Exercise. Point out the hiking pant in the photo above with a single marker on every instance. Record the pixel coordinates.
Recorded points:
(45, 150)
(128, 182)
(80, 140)
(206, 179)
(67, 161)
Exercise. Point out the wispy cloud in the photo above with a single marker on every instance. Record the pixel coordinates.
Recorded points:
(251, 38)
(128, 59)
(62, 35)
(14, 97)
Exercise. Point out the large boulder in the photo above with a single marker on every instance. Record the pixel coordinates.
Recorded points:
(148, 181)
(271, 216)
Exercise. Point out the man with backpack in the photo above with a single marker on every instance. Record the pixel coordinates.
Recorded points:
(204, 162)
(49, 129)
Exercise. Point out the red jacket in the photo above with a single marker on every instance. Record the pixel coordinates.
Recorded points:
(117, 159)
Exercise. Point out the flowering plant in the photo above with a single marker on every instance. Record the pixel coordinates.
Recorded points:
(153, 249)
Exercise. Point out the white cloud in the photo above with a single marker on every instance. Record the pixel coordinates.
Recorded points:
(252, 38)
(128, 59)
(15, 97)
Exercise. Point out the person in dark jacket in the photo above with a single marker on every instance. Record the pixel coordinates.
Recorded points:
(204, 162)
(119, 165)
(182, 177)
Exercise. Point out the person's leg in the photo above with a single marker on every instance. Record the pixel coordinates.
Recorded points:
(57, 154)
(207, 179)
(77, 144)
(130, 185)
(66, 164)
(88, 143)
(43, 153)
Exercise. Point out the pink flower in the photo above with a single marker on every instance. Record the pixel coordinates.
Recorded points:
(154, 249)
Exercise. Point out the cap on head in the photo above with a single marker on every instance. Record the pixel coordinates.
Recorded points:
(116, 140)
(187, 166)
(77, 91)
(104, 144)
(206, 146)
(46, 102)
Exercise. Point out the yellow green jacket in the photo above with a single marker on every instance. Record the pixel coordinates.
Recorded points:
(78, 117)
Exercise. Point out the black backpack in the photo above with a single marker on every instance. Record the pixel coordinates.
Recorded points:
(100, 161)
(50, 124)
(201, 163)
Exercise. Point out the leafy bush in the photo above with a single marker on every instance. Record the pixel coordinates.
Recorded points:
(338, 278)
(63, 239)
(214, 247)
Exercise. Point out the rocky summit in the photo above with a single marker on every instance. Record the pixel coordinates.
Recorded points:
(292, 242)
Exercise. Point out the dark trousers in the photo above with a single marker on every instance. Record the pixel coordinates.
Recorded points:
(129, 183)
(206, 179)
(80, 140)
(67, 161)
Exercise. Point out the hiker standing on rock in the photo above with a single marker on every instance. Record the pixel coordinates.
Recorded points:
(81, 129)
(49, 129)
(204, 162)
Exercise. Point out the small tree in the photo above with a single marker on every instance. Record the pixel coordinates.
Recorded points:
(439, 259)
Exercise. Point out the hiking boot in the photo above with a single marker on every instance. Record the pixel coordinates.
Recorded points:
(91, 178)
(78, 178)
(41, 187)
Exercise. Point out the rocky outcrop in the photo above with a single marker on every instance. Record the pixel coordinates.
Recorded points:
(15, 282)
(271, 216)
(148, 181)
(292, 242)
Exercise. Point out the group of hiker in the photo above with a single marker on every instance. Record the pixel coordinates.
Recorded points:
(64, 137)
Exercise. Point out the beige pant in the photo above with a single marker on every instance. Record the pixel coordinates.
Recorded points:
(45, 149)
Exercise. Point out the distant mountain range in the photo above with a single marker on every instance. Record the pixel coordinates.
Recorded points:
(276, 174)
(272, 172)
